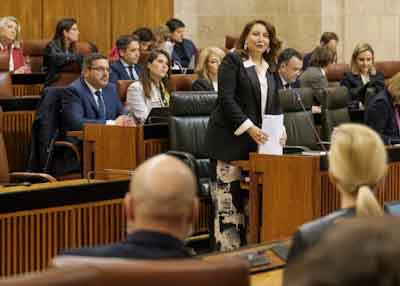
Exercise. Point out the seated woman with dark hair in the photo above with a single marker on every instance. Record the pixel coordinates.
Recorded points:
(357, 164)
(362, 72)
(207, 69)
(150, 90)
(146, 38)
(315, 75)
(10, 44)
(61, 51)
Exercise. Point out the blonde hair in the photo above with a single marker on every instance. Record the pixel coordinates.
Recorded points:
(393, 86)
(161, 34)
(3, 23)
(361, 48)
(205, 54)
(358, 160)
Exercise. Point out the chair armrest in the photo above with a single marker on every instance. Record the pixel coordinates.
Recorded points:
(27, 176)
(76, 134)
(294, 149)
(71, 146)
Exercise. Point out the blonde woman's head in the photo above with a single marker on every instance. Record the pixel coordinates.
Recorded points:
(357, 163)
(10, 30)
(209, 60)
(363, 60)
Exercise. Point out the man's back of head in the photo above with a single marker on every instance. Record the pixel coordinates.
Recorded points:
(163, 196)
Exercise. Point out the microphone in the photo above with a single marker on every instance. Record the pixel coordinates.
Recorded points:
(298, 98)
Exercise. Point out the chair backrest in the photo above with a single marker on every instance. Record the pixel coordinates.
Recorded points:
(65, 276)
(182, 82)
(47, 122)
(194, 272)
(334, 109)
(389, 68)
(189, 114)
(4, 170)
(296, 120)
(122, 88)
(336, 72)
(5, 84)
(35, 50)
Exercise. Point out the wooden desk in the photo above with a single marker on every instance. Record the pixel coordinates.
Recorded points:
(287, 191)
(270, 274)
(42, 186)
(121, 148)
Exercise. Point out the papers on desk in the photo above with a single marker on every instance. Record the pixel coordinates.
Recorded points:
(273, 126)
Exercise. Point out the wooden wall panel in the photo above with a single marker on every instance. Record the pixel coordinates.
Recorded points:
(128, 15)
(28, 12)
(99, 21)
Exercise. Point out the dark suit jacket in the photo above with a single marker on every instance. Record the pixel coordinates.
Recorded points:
(279, 83)
(306, 60)
(118, 72)
(381, 116)
(354, 83)
(138, 245)
(189, 50)
(202, 84)
(309, 234)
(79, 106)
(239, 98)
(55, 58)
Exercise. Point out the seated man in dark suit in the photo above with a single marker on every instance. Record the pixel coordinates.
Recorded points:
(290, 63)
(184, 50)
(160, 215)
(91, 98)
(126, 68)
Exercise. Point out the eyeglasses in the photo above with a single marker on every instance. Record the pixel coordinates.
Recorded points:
(101, 69)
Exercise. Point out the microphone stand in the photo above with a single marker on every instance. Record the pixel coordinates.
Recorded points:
(298, 98)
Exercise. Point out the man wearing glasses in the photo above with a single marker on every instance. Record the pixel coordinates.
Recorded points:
(91, 98)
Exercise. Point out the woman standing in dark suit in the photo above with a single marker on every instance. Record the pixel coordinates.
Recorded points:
(246, 91)
(61, 51)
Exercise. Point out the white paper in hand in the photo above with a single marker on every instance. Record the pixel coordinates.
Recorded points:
(273, 126)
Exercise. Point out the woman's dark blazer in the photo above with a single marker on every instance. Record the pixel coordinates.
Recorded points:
(309, 234)
(55, 58)
(381, 116)
(239, 99)
(201, 84)
(354, 83)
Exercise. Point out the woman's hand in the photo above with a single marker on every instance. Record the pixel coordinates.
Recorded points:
(259, 136)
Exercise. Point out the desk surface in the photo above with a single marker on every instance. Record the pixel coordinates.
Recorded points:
(269, 278)
(41, 186)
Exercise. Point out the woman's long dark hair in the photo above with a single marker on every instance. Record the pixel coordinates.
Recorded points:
(145, 78)
(63, 25)
(270, 55)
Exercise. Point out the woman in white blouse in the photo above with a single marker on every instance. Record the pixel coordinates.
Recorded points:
(150, 90)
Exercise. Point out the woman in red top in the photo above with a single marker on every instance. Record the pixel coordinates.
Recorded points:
(9, 43)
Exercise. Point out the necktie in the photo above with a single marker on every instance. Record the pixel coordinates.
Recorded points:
(130, 69)
(100, 105)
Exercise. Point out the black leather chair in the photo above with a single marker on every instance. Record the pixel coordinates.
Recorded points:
(48, 153)
(189, 113)
(334, 109)
(298, 121)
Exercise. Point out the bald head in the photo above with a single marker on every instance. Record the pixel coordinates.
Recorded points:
(163, 188)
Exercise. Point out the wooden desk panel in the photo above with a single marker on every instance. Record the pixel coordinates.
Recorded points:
(17, 130)
(287, 191)
(270, 278)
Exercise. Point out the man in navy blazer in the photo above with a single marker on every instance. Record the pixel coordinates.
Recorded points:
(184, 50)
(127, 67)
(290, 63)
(159, 216)
(91, 98)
